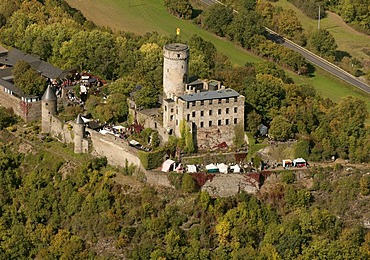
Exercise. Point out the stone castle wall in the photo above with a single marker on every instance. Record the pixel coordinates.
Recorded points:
(27, 111)
(115, 149)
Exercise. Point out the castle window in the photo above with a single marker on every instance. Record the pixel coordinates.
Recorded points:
(168, 70)
(227, 100)
(201, 113)
(177, 122)
(227, 110)
(178, 55)
(187, 105)
(177, 111)
(210, 102)
(219, 111)
(46, 104)
(201, 124)
(202, 102)
(235, 121)
(226, 121)
(235, 99)
(193, 103)
(171, 110)
(188, 117)
(219, 101)
(171, 118)
(219, 122)
(210, 112)
(210, 123)
(165, 108)
(193, 114)
(235, 110)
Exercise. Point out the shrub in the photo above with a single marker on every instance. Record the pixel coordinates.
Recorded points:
(287, 177)
(151, 160)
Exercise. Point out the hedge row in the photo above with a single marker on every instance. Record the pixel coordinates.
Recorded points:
(151, 160)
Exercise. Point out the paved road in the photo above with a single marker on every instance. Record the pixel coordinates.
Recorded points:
(311, 57)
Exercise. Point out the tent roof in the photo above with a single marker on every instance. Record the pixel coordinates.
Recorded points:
(211, 166)
(191, 168)
(299, 160)
(167, 164)
(134, 142)
(235, 167)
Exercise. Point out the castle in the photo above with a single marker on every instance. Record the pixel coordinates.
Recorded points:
(211, 110)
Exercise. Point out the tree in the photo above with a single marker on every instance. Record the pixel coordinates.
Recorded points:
(188, 184)
(239, 136)
(217, 18)
(7, 118)
(265, 95)
(180, 8)
(145, 98)
(28, 79)
(280, 128)
(253, 120)
(322, 42)
(244, 26)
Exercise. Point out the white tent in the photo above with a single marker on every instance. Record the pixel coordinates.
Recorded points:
(223, 167)
(299, 162)
(119, 127)
(191, 168)
(134, 142)
(167, 165)
(212, 168)
(235, 168)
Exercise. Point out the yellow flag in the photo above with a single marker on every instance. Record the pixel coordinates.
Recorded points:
(178, 31)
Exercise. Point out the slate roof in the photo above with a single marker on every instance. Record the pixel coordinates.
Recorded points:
(207, 95)
(46, 69)
(49, 94)
(11, 87)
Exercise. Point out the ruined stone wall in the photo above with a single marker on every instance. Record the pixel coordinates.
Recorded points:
(63, 131)
(27, 111)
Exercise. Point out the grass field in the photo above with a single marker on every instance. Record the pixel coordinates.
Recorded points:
(141, 16)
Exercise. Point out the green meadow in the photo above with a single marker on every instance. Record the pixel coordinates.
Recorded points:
(142, 16)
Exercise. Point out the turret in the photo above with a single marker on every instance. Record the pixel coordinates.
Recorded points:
(79, 132)
(48, 109)
(175, 69)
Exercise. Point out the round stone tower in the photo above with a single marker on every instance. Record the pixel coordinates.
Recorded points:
(48, 109)
(79, 132)
(175, 69)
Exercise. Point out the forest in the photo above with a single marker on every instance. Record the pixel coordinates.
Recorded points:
(54, 204)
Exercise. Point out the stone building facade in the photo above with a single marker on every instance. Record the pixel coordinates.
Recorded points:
(211, 110)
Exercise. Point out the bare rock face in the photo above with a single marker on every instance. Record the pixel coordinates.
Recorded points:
(226, 185)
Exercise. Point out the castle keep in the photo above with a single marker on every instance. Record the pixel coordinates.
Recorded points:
(210, 109)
